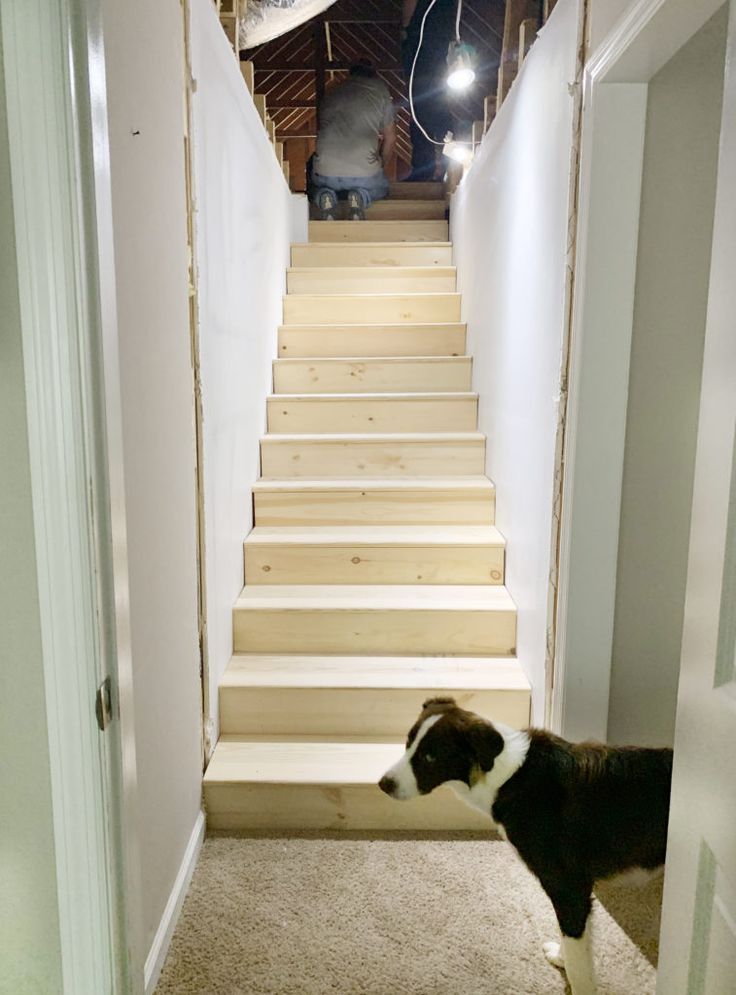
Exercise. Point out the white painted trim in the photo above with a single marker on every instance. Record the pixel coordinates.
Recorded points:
(646, 37)
(624, 34)
(111, 520)
(45, 64)
(162, 939)
(614, 106)
(603, 306)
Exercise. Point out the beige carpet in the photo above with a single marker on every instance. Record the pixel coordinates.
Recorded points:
(389, 916)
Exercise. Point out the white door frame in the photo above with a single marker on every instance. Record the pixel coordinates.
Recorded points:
(615, 85)
(56, 110)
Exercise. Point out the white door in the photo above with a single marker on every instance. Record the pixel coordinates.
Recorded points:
(698, 942)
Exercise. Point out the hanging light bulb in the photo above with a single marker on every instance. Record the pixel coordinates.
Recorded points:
(460, 71)
(458, 151)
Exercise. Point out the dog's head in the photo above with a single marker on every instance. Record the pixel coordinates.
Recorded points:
(446, 743)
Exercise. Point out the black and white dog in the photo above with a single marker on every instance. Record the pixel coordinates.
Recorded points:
(575, 812)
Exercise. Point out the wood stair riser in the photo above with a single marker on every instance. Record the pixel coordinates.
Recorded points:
(302, 630)
(421, 190)
(344, 376)
(372, 254)
(342, 506)
(288, 456)
(378, 231)
(352, 711)
(362, 564)
(248, 805)
(365, 280)
(444, 339)
(340, 309)
(405, 209)
(313, 414)
(398, 209)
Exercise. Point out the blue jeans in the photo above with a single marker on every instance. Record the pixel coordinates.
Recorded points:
(370, 188)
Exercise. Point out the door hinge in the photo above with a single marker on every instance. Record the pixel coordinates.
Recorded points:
(103, 704)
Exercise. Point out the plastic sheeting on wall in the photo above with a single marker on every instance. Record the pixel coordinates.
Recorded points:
(267, 19)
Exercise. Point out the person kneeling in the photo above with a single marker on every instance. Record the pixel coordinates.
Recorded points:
(355, 143)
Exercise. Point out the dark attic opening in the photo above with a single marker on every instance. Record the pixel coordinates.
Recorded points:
(292, 73)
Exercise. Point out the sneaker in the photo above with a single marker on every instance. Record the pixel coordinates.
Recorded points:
(327, 203)
(356, 211)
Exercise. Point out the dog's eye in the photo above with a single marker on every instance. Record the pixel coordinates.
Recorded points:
(429, 758)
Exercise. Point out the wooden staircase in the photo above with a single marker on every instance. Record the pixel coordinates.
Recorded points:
(374, 574)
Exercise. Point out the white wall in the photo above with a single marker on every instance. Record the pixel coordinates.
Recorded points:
(145, 64)
(509, 225)
(603, 15)
(243, 219)
(30, 947)
(673, 264)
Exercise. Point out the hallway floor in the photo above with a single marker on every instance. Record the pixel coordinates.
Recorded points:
(356, 915)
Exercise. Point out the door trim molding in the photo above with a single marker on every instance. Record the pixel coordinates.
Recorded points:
(615, 88)
(52, 54)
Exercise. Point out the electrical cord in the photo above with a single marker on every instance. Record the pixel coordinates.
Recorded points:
(411, 77)
(457, 19)
(414, 64)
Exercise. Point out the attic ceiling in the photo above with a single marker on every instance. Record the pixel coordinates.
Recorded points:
(287, 68)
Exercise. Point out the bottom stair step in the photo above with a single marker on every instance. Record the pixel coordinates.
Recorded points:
(381, 695)
(308, 782)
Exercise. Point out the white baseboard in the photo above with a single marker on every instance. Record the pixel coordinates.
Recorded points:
(162, 939)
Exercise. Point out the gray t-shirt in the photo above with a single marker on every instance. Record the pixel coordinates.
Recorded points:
(351, 117)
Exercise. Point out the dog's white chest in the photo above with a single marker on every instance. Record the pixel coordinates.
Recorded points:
(481, 797)
(482, 794)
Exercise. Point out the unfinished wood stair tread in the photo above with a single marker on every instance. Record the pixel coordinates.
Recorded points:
(377, 396)
(368, 535)
(375, 598)
(273, 694)
(391, 209)
(342, 269)
(354, 361)
(312, 782)
(347, 339)
(316, 782)
(373, 454)
(372, 413)
(375, 619)
(373, 247)
(441, 500)
(368, 254)
(370, 438)
(302, 759)
(423, 673)
(469, 482)
(367, 696)
(367, 375)
(339, 309)
(378, 231)
(389, 554)
(341, 279)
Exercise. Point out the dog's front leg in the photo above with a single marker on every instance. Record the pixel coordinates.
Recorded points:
(578, 958)
(575, 953)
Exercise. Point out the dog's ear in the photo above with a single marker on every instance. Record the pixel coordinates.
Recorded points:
(485, 741)
(441, 702)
